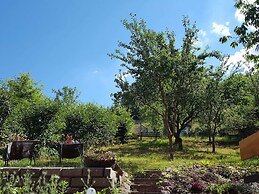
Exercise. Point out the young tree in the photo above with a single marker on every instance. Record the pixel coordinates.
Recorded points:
(216, 98)
(66, 95)
(166, 79)
(123, 123)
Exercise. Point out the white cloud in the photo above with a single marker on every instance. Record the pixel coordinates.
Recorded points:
(238, 60)
(202, 33)
(220, 29)
(123, 75)
(239, 16)
(250, 1)
(203, 40)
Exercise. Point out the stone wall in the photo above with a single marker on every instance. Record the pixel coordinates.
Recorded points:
(98, 178)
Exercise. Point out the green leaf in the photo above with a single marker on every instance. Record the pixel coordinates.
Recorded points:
(223, 39)
(234, 44)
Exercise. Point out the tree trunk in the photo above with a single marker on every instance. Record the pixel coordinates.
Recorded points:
(213, 143)
(171, 151)
(169, 135)
(178, 141)
(209, 132)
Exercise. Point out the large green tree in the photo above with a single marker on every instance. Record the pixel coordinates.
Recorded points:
(36, 117)
(16, 95)
(247, 34)
(23, 88)
(166, 79)
(242, 115)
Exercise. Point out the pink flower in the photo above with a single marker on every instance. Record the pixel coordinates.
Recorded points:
(197, 187)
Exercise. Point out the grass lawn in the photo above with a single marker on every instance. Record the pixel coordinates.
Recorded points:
(139, 155)
(150, 154)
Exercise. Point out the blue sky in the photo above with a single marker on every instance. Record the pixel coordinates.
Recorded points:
(65, 42)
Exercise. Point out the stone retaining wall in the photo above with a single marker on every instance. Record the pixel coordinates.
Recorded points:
(98, 178)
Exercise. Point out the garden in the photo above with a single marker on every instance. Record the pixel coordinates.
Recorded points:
(198, 112)
(195, 169)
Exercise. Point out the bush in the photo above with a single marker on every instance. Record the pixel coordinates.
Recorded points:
(87, 123)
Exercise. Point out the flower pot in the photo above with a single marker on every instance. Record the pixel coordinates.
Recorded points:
(94, 162)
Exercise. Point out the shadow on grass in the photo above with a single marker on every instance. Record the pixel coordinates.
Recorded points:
(143, 147)
(45, 163)
(130, 166)
(138, 155)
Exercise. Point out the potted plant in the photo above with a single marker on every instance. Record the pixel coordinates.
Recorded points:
(99, 159)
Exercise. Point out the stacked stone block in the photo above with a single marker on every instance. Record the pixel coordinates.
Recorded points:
(78, 178)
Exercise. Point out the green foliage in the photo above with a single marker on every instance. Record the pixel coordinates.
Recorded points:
(247, 32)
(229, 105)
(226, 188)
(251, 12)
(241, 115)
(114, 190)
(244, 114)
(152, 121)
(167, 80)
(89, 123)
(5, 107)
(217, 97)
(123, 121)
(36, 118)
(21, 92)
(122, 116)
(23, 88)
(121, 134)
(66, 95)
(28, 113)
(234, 44)
(224, 39)
(31, 119)
(12, 184)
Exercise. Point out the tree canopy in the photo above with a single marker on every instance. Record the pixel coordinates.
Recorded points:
(248, 32)
(166, 79)
(27, 112)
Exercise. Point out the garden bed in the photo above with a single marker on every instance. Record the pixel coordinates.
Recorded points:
(208, 179)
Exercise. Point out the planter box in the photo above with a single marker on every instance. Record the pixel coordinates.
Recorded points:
(93, 162)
